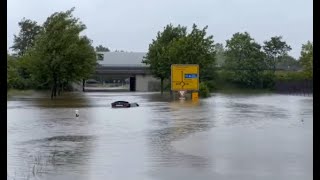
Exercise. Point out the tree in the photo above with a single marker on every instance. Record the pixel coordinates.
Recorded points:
(15, 73)
(101, 48)
(120, 50)
(175, 46)
(60, 55)
(25, 40)
(220, 54)
(158, 57)
(195, 48)
(245, 58)
(275, 49)
(306, 59)
(12, 74)
(288, 62)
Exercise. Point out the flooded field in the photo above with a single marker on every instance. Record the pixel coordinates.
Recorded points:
(227, 136)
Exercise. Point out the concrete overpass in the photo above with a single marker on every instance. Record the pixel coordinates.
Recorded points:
(125, 70)
(118, 66)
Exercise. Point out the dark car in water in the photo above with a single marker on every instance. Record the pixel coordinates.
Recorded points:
(123, 104)
(120, 104)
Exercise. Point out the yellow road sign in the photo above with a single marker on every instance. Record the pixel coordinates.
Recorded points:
(184, 77)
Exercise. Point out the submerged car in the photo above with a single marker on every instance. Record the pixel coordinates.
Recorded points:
(123, 104)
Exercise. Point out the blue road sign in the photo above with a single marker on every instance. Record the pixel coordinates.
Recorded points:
(190, 76)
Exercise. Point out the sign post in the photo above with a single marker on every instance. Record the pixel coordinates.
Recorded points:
(195, 96)
(184, 77)
(182, 95)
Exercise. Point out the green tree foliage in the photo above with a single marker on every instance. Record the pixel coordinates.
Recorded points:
(101, 48)
(15, 75)
(306, 59)
(245, 58)
(60, 55)
(287, 62)
(12, 74)
(204, 90)
(290, 76)
(175, 46)
(275, 49)
(25, 40)
(158, 56)
(21, 44)
(220, 54)
(195, 48)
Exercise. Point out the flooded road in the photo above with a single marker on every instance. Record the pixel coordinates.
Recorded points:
(262, 136)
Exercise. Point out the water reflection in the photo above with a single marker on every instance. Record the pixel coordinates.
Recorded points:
(180, 119)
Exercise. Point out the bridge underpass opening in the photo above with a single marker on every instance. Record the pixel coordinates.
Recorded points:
(111, 83)
(132, 83)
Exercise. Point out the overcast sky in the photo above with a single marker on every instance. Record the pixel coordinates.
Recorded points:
(131, 25)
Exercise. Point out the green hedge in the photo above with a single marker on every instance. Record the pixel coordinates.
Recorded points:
(204, 90)
(290, 75)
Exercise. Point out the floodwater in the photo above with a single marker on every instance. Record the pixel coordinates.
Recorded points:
(227, 136)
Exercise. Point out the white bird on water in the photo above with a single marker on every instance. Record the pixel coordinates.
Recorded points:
(77, 113)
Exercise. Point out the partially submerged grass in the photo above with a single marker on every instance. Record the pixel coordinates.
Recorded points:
(13, 92)
(39, 164)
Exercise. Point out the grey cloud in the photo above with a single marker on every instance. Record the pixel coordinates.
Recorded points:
(131, 25)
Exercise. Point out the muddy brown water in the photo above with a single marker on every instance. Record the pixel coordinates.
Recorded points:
(227, 136)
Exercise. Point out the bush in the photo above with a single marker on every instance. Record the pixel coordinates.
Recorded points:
(290, 76)
(204, 90)
(21, 83)
(212, 85)
(224, 75)
(166, 86)
(268, 80)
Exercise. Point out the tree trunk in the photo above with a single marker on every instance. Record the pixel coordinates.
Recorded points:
(162, 86)
(54, 86)
(274, 65)
(55, 90)
(59, 88)
(52, 92)
(83, 84)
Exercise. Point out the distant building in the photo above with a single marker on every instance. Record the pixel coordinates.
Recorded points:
(124, 66)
